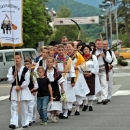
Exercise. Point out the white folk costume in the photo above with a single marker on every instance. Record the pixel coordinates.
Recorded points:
(110, 74)
(65, 66)
(102, 96)
(23, 95)
(55, 79)
(92, 81)
(81, 87)
(32, 104)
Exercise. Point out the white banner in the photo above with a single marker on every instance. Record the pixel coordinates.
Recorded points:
(79, 20)
(11, 12)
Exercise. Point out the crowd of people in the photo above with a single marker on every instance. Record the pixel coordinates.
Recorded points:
(66, 74)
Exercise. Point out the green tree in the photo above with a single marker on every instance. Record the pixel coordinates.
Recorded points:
(35, 22)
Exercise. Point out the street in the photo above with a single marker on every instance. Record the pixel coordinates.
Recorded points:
(113, 116)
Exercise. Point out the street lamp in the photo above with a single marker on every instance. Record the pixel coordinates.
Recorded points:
(108, 5)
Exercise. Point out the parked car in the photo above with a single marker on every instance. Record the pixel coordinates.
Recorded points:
(124, 53)
(7, 59)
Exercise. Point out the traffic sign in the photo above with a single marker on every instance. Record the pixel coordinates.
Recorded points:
(79, 20)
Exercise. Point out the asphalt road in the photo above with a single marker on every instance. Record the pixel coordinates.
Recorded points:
(113, 116)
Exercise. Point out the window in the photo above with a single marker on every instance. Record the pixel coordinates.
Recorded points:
(1, 57)
(29, 54)
(10, 56)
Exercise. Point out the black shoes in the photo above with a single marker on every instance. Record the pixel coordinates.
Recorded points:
(76, 113)
(90, 108)
(85, 108)
(69, 112)
(108, 100)
(105, 102)
(30, 124)
(63, 117)
(25, 126)
(12, 126)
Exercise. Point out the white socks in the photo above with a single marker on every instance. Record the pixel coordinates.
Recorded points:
(89, 103)
(65, 113)
(77, 108)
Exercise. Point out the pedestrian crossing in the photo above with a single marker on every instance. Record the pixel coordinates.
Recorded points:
(122, 93)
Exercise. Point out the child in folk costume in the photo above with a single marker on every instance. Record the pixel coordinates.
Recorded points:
(20, 93)
(81, 87)
(44, 91)
(64, 65)
(56, 79)
(42, 60)
(91, 77)
(32, 103)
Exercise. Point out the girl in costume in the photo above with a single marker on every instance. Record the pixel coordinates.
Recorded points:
(91, 77)
(64, 65)
(81, 87)
(56, 79)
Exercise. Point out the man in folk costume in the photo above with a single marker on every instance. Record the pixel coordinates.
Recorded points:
(102, 59)
(81, 87)
(42, 60)
(19, 93)
(110, 73)
(64, 65)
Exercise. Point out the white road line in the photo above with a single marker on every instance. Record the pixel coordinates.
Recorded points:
(122, 93)
(121, 75)
(4, 97)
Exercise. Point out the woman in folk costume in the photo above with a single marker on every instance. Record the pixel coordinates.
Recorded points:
(64, 65)
(56, 79)
(81, 87)
(91, 77)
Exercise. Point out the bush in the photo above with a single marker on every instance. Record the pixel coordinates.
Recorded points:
(124, 63)
(119, 61)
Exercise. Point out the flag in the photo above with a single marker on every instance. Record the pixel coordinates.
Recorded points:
(11, 12)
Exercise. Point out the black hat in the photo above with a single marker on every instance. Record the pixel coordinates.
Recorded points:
(87, 47)
(53, 43)
(92, 44)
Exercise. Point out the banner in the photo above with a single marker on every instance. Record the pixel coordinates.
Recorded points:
(11, 12)
(79, 20)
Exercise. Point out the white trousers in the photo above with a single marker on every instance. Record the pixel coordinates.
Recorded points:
(31, 105)
(24, 113)
(110, 84)
(104, 87)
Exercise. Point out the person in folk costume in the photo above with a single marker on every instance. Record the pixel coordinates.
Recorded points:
(32, 103)
(81, 87)
(93, 47)
(42, 60)
(44, 92)
(110, 73)
(91, 77)
(64, 65)
(102, 59)
(54, 44)
(19, 93)
(56, 79)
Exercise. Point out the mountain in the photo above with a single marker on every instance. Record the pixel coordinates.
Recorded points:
(78, 9)
(94, 3)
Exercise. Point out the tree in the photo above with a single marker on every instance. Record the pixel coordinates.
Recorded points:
(35, 22)
(124, 26)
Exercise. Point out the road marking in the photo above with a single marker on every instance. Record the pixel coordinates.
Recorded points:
(121, 74)
(4, 97)
(121, 68)
(122, 93)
